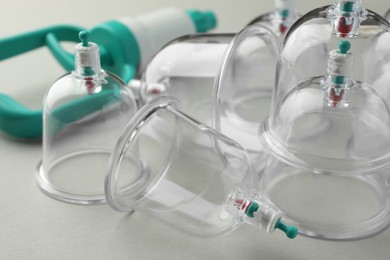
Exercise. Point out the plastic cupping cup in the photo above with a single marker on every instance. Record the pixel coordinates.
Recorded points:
(280, 20)
(194, 178)
(84, 114)
(223, 80)
(332, 69)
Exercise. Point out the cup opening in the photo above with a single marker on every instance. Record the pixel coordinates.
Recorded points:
(126, 184)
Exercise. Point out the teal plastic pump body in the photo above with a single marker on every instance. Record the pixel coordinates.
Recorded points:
(126, 45)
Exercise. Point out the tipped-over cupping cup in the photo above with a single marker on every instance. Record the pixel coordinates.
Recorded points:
(328, 77)
(84, 113)
(223, 80)
(191, 170)
(195, 179)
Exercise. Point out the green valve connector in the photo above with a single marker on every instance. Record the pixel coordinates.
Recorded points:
(84, 37)
(347, 7)
(290, 231)
(338, 80)
(253, 207)
(203, 21)
(284, 13)
(344, 47)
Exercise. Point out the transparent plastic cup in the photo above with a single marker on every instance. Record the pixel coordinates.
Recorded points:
(223, 80)
(327, 206)
(243, 88)
(332, 70)
(84, 114)
(195, 179)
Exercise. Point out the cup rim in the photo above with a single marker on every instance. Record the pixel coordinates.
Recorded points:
(127, 137)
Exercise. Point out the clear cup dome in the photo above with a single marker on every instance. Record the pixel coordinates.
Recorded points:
(243, 88)
(223, 80)
(84, 113)
(194, 179)
(185, 69)
(331, 75)
(280, 20)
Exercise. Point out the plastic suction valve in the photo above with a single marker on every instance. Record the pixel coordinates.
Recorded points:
(255, 211)
(347, 15)
(284, 8)
(87, 57)
(339, 76)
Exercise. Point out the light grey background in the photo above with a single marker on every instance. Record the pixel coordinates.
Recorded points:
(33, 226)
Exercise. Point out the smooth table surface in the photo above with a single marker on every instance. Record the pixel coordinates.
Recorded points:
(34, 226)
